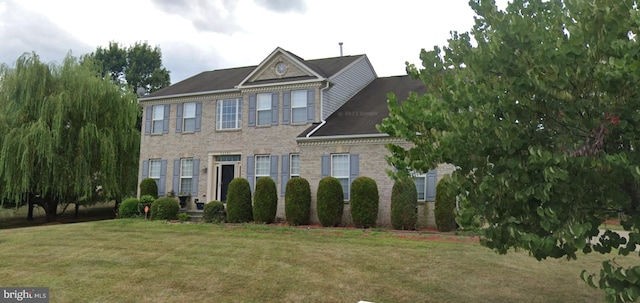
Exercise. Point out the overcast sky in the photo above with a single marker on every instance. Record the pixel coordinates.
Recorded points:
(201, 35)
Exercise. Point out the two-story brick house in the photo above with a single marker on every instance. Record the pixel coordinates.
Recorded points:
(284, 118)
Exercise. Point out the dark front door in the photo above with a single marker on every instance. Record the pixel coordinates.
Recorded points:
(227, 176)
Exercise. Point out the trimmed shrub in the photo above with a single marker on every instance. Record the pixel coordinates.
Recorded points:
(265, 201)
(364, 202)
(445, 206)
(214, 212)
(149, 186)
(239, 209)
(165, 209)
(184, 217)
(146, 200)
(404, 204)
(129, 208)
(330, 201)
(297, 201)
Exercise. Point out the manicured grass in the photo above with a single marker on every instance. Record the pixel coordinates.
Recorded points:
(142, 261)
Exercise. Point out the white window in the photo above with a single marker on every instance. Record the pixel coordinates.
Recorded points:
(340, 171)
(189, 117)
(299, 106)
(158, 119)
(421, 185)
(295, 166)
(264, 109)
(262, 166)
(186, 175)
(155, 166)
(229, 114)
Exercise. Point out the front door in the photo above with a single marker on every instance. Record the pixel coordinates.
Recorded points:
(227, 173)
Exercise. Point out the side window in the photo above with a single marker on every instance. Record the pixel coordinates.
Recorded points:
(229, 114)
(264, 109)
(299, 106)
(158, 119)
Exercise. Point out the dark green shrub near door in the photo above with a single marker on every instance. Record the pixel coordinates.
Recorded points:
(239, 208)
(265, 201)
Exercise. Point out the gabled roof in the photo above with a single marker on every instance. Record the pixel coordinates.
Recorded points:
(229, 79)
(215, 80)
(362, 112)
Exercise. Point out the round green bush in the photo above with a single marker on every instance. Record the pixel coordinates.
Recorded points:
(330, 202)
(297, 201)
(214, 212)
(445, 206)
(265, 201)
(166, 208)
(404, 204)
(364, 202)
(239, 209)
(129, 208)
(149, 186)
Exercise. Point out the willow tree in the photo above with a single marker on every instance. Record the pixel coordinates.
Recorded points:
(538, 107)
(70, 134)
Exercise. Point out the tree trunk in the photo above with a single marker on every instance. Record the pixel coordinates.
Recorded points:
(30, 209)
(51, 209)
(75, 214)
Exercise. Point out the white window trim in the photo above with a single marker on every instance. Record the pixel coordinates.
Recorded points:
(347, 176)
(298, 107)
(183, 176)
(258, 110)
(151, 162)
(185, 117)
(415, 176)
(268, 157)
(154, 120)
(291, 174)
(219, 114)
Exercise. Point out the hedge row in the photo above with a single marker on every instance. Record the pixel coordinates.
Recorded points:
(242, 208)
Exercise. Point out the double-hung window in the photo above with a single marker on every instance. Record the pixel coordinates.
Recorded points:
(421, 185)
(294, 166)
(189, 117)
(229, 114)
(263, 165)
(299, 106)
(158, 119)
(155, 166)
(264, 109)
(340, 171)
(186, 175)
(425, 185)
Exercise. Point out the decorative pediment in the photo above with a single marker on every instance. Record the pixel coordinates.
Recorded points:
(280, 66)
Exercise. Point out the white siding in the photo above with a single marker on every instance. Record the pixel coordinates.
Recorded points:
(346, 85)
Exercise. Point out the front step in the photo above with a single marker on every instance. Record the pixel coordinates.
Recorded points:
(195, 215)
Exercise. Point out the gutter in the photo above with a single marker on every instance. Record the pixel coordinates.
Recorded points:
(338, 137)
(189, 94)
(322, 120)
(277, 83)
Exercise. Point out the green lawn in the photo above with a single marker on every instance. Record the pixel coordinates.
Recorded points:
(142, 261)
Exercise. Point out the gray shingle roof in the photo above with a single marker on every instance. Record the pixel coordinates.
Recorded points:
(362, 112)
(223, 79)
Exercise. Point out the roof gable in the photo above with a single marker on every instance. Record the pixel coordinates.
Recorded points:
(293, 69)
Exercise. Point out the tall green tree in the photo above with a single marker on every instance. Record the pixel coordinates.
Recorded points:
(538, 107)
(69, 134)
(138, 67)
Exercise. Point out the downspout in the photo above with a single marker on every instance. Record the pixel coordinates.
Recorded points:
(322, 121)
